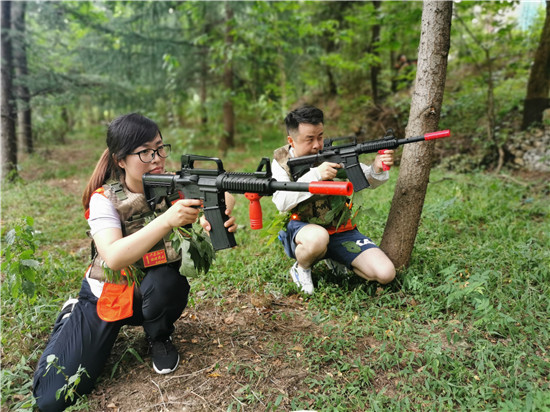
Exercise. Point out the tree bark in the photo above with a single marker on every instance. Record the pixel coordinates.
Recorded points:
(24, 116)
(410, 191)
(538, 86)
(228, 138)
(9, 112)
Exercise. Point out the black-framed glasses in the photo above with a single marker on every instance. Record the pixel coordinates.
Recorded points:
(147, 155)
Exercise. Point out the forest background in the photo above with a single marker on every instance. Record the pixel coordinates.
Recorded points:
(456, 329)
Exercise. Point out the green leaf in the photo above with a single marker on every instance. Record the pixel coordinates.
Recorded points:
(31, 263)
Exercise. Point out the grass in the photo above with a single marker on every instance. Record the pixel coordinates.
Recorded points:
(464, 327)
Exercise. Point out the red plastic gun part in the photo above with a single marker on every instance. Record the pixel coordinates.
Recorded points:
(384, 165)
(254, 210)
(437, 135)
(331, 188)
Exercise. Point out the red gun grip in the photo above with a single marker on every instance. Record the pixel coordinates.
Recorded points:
(385, 167)
(255, 210)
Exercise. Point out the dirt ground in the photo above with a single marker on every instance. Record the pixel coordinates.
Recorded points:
(242, 347)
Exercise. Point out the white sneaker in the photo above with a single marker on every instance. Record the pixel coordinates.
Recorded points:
(302, 278)
(337, 268)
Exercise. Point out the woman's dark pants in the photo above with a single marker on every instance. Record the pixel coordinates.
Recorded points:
(83, 339)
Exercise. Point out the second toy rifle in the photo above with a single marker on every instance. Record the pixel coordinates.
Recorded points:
(348, 155)
(210, 186)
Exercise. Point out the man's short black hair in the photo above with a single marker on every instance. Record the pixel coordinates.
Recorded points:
(305, 114)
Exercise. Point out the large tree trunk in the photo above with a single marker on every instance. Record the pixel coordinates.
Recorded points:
(24, 117)
(406, 209)
(9, 113)
(538, 87)
(228, 139)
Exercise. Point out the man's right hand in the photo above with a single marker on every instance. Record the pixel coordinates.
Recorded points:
(328, 170)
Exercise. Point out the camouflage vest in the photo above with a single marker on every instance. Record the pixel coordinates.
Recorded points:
(323, 210)
(134, 214)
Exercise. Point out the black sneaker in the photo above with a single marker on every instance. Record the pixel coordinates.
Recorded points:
(165, 355)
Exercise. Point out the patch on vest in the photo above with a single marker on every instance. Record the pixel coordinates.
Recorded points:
(157, 257)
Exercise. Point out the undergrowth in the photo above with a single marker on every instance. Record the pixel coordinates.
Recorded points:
(464, 327)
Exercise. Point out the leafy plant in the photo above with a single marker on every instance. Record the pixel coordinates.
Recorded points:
(19, 262)
(69, 390)
(131, 351)
(195, 248)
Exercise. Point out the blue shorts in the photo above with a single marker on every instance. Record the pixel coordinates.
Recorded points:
(343, 247)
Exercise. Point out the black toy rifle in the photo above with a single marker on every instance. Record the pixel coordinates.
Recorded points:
(210, 186)
(348, 155)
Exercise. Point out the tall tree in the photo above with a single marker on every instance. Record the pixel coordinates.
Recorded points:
(538, 87)
(24, 116)
(373, 49)
(228, 138)
(9, 138)
(410, 190)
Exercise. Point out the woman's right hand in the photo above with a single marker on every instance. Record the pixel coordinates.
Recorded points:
(182, 212)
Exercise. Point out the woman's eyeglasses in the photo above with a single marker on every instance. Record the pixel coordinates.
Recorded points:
(147, 155)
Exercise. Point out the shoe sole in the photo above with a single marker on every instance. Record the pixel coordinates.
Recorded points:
(165, 371)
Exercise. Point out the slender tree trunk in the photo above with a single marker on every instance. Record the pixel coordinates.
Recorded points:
(538, 87)
(203, 89)
(204, 53)
(9, 112)
(282, 81)
(24, 118)
(410, 191)
(375, 68)
(228, 139)
(491, 117)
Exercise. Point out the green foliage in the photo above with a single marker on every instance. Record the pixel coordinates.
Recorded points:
(19, 263)
(16, 385)
(132, 352)
(465, 327)
(69, 390)
(281, 54)
(195, 248)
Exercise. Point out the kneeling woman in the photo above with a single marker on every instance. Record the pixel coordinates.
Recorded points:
(125, 236)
